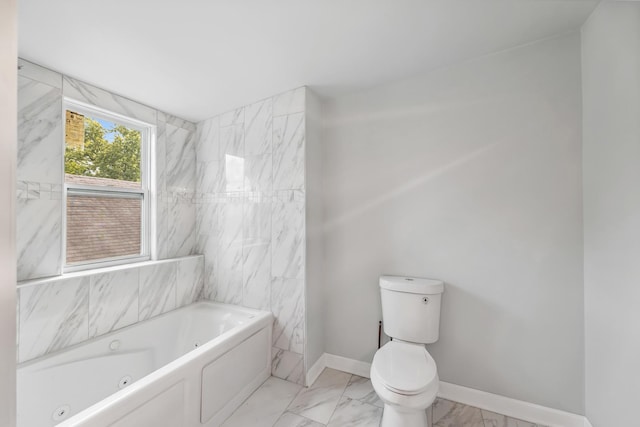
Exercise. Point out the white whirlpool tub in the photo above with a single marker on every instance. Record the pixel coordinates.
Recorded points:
(190, 367)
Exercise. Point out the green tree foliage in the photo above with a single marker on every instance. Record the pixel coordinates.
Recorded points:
(117, 159)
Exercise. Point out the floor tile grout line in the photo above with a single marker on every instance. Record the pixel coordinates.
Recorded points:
(358, 400)
(339, 400)
(287, 407)
(256, 391)
(289, 404)
(342, 395)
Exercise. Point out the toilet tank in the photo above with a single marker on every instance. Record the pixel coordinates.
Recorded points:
(411, 308)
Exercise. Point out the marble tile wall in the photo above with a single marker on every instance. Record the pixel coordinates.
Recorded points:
(176, 181)
(250, 221)
(59, 312)
(40, 169)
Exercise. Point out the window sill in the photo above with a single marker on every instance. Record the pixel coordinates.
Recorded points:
(94, 271)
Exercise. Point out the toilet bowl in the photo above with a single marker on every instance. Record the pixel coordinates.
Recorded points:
(403, 373)
(405, 378)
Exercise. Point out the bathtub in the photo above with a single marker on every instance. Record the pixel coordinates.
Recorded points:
(190, 367)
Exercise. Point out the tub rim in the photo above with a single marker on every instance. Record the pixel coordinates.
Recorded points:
(261, 319)
(245, 310)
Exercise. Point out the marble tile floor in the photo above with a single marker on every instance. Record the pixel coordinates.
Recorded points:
(338, 399)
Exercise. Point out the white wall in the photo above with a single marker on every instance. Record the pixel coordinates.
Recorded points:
(611, 118)
(469, 174)
(8, 129)
(315, 267)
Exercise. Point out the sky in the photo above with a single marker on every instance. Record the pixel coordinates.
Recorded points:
(108, 126)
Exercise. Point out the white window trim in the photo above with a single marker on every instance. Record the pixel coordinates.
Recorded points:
(148, 134)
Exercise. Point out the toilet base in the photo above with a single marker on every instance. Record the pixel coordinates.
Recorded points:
(396, 416)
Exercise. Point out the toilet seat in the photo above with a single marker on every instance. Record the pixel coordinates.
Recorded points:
(404, 368)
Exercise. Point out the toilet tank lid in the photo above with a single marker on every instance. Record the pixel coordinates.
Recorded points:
(413, 285)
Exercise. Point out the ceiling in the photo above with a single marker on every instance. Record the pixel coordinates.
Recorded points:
(198, 58)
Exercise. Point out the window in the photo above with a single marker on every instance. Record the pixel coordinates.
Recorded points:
(106, 165)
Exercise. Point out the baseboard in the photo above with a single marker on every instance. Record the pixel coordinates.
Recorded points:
(345, 364)
(480, 399)
(510, 407)
(314, 372)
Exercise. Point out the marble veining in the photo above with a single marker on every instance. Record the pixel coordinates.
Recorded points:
(181, 159)
(162, 228)
(52, 316)
(233, 117)
(207, 243)
(208, 140)
(452, 414)
(289, 102)
(39, 132)
(38, 238)
(40, 175)
(231, 141)
(113, 301)
(324, 400)
(229, 222)
(257, 218)
(80, 91)
(250, 222)
(207, 220)
(160, 151)
(258, 128)
(190, 280)
(258, 173)
(361, 389)
(210, 177)
(287, 305)
(228, 274)
(265, 405)
(210, 291)
(162, 204)
(289, 419)
(256, 274)
(354, 413)
(178, 122)
(39, 74)
(319, 401)
(288, 152)
(287, 236)
(157, 289)
(57, 312)
(62, 311)
(181, 229)
(287, 365)
(178, 237)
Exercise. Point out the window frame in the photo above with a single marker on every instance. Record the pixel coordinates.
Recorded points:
(147, 136)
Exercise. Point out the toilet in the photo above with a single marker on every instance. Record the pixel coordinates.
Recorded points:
(403, 373)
